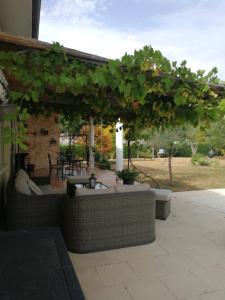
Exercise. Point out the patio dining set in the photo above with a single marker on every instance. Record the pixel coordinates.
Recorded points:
(67, 165)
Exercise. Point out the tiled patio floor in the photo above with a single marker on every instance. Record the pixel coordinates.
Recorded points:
(187, 260)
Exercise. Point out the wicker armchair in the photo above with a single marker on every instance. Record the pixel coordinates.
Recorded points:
(99, 221)
(31, 211)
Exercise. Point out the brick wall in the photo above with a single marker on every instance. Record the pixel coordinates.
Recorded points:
(39, 145)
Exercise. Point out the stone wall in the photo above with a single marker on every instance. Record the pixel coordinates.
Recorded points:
(42, 132)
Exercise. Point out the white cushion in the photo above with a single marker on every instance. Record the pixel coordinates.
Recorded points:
(22, 185)
(48, 189)
(34, 188)
(162, 194)
(92, 192)
(126, 188)
(22, 173)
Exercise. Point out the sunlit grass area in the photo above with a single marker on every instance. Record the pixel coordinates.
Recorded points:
(186, 176)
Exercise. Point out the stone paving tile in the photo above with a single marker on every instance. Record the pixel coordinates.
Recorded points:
(83, 262)
(135, 253)
(218, 295)
(150, 290)
(89, 280)
(178, 262)
(121, 255)
(206, 256)
(109, 293)
(116, 274)
(213, 276)
(184, 284)
(149, 268)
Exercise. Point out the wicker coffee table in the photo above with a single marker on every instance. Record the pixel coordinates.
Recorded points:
(74, 182)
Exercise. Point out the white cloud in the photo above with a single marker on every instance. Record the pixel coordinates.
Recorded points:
(97, 40)
(72, 11)
(194, 33)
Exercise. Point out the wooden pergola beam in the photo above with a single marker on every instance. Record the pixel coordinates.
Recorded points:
(17, 43)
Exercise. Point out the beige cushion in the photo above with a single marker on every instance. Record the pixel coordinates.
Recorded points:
(126, 188)
(78, 179)
(22, 185)
(22, 173)
(162, 194)
(34, 188)
(92, 192)
(48, 189)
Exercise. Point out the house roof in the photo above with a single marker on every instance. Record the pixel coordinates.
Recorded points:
(9, 42)
(20, 17)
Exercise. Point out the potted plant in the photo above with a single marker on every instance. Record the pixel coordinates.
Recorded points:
(127, 175)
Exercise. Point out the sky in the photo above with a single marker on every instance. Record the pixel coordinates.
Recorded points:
(192, 30)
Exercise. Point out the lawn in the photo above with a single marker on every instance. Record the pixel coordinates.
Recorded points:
(186, 177)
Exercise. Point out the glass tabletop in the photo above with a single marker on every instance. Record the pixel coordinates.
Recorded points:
(98, 186)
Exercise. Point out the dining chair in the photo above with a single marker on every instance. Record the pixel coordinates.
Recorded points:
(52, 166)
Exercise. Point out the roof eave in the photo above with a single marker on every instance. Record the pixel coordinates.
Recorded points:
(17, 43)
(36, 8)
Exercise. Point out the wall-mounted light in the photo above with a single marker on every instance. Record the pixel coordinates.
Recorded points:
(53, 141)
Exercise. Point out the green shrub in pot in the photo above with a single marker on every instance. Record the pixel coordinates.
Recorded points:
(128, 176)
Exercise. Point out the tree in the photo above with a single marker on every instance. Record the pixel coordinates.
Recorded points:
(216, 135)
(194, 136)
(103, 140)
(71, 125)
(152, 139)
(167, 138)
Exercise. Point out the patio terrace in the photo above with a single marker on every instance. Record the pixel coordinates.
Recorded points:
(187, 260)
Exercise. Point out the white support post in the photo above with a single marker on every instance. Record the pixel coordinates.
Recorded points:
(91, 144)
(119, 146)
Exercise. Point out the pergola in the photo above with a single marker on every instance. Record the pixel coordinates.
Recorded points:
(19, 44)
(141, 89)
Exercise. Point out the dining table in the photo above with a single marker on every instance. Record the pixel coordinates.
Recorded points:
(70, 166)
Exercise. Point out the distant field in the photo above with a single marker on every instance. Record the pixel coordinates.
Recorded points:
(186, 177)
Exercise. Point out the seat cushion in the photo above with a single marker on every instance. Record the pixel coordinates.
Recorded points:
(47, 189)
(22, 173)
(34, 188)
(22, 185)
(90, 192)
(126, 188)
(78, 179)
(162, 194)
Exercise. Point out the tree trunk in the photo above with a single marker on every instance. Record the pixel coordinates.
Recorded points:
(138, 150)
(153, 152)
(194, 148)
(170, 169)
(128, 154)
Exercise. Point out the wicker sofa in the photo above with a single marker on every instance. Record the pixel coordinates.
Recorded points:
(32, 211)
(96, 220)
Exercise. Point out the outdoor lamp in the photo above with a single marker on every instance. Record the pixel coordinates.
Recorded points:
(92, 181)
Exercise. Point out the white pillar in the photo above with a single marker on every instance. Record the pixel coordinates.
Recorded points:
(119, 146)
(91, 143)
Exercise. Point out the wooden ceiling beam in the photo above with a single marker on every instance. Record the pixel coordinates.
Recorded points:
(18, 43)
